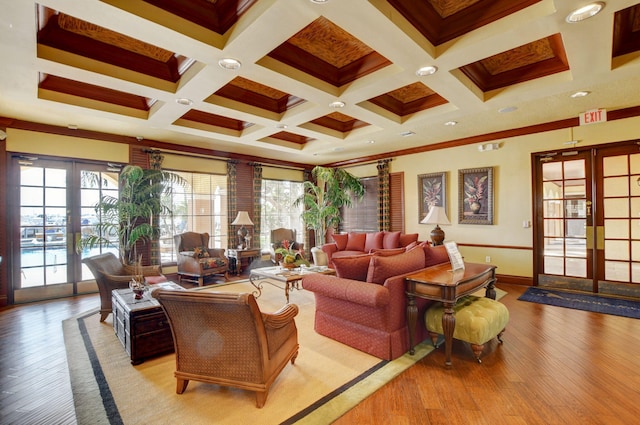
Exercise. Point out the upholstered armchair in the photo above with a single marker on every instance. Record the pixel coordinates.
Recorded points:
(196, 260)
(224, 339)
(111, 274)
(277, 236)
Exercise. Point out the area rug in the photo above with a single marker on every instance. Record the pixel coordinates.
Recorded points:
(594, 303)
(327, 380)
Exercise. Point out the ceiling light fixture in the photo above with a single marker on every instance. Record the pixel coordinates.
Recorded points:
(229, 63)
(371, 142)
(407, 133)
(585, 12)
(508, 109)
(426, 70)
(184, 101)
(72, 126)
(319, 1)
(489, 147)
(451, 123)
(337, 104)
(580, 94)
(281, 126)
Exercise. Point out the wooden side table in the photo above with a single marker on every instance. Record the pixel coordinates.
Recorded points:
(248, 254)
(440, 283)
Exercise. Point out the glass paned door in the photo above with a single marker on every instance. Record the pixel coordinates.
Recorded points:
(44, 243)
(54, 207)
(564, 221)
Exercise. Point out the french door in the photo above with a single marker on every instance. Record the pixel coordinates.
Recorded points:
(53, 207)
(587, 227)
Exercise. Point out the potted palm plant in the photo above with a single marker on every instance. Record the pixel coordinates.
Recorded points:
(333, 189)
(132, 216)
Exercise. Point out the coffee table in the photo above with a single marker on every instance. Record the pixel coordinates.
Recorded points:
(291, 278)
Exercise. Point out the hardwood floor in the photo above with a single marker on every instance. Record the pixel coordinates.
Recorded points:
(556, 366)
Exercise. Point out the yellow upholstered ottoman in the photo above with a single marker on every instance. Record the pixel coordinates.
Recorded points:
(478, 320)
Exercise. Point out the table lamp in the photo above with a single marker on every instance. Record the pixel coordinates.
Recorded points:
(436, 216)
(242, 219)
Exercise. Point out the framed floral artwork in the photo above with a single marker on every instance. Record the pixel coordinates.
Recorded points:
(432, 189)
(475, 190)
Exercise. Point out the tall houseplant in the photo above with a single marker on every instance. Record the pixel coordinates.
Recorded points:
(129, 218)
(333, 189)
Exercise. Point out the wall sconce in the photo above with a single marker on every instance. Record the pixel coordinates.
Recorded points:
(489, 147)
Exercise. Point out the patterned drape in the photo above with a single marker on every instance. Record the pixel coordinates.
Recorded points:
(306, 175)
(383, 195)
(232, 209)
(257, 204)
(155, 162)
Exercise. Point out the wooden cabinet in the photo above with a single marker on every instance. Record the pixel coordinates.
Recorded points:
(141, 325)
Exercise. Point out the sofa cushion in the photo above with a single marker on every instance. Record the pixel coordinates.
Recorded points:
(391, 240)
(388, 252)
(373, 241)
(381, 268)
(341, 241)
(353, 267)
(435, 255)
(355, 241)
(406, 239)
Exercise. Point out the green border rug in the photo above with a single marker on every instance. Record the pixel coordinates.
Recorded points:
(327, 380)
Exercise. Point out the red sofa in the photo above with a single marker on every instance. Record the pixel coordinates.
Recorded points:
(349, 244)
(365, 305)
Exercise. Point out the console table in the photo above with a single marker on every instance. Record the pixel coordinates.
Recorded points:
(239, 254)
(440, 283)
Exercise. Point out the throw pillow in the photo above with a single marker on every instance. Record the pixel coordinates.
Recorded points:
(341, 241)
(411, 246)
(406, 239)
(381, 268)
(200, 252)
(391, 240)
(352, 267)
(435, 255)
(355, 241)
(373, 241)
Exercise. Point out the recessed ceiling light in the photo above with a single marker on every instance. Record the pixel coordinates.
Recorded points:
(281, 126)
(451, 123)
(580, 94)
(229, 63)
(508, 109)
(184, 101)
(372, 142)
(337, 104)
(585, 12)
(72, 126)
(407, 133)
(319, 1)
(338, 149)
(426, 70)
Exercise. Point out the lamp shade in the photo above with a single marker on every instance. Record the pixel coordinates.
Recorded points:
(242, 219)
(436, 215)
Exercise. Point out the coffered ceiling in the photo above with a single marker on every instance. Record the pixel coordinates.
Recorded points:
(318, 82)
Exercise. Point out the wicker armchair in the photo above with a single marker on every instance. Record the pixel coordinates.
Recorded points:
(111, 274)
(277, 236)
(223, 338)
(196, 260)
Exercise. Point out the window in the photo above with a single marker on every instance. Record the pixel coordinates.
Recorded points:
(363, 214)
(278, 210)
(200, 207)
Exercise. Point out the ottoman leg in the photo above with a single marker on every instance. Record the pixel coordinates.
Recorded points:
(500, 335)
(477, 351)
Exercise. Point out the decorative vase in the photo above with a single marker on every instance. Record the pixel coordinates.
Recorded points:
(475, 207)
(319, 256)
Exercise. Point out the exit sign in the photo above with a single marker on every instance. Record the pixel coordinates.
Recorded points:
(593, 116)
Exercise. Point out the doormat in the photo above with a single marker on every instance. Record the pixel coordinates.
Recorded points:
(594, 303)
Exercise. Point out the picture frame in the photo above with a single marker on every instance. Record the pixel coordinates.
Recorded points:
(475, 192)
(432, 190)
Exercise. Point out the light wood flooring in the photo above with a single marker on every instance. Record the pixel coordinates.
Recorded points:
(556, 366)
